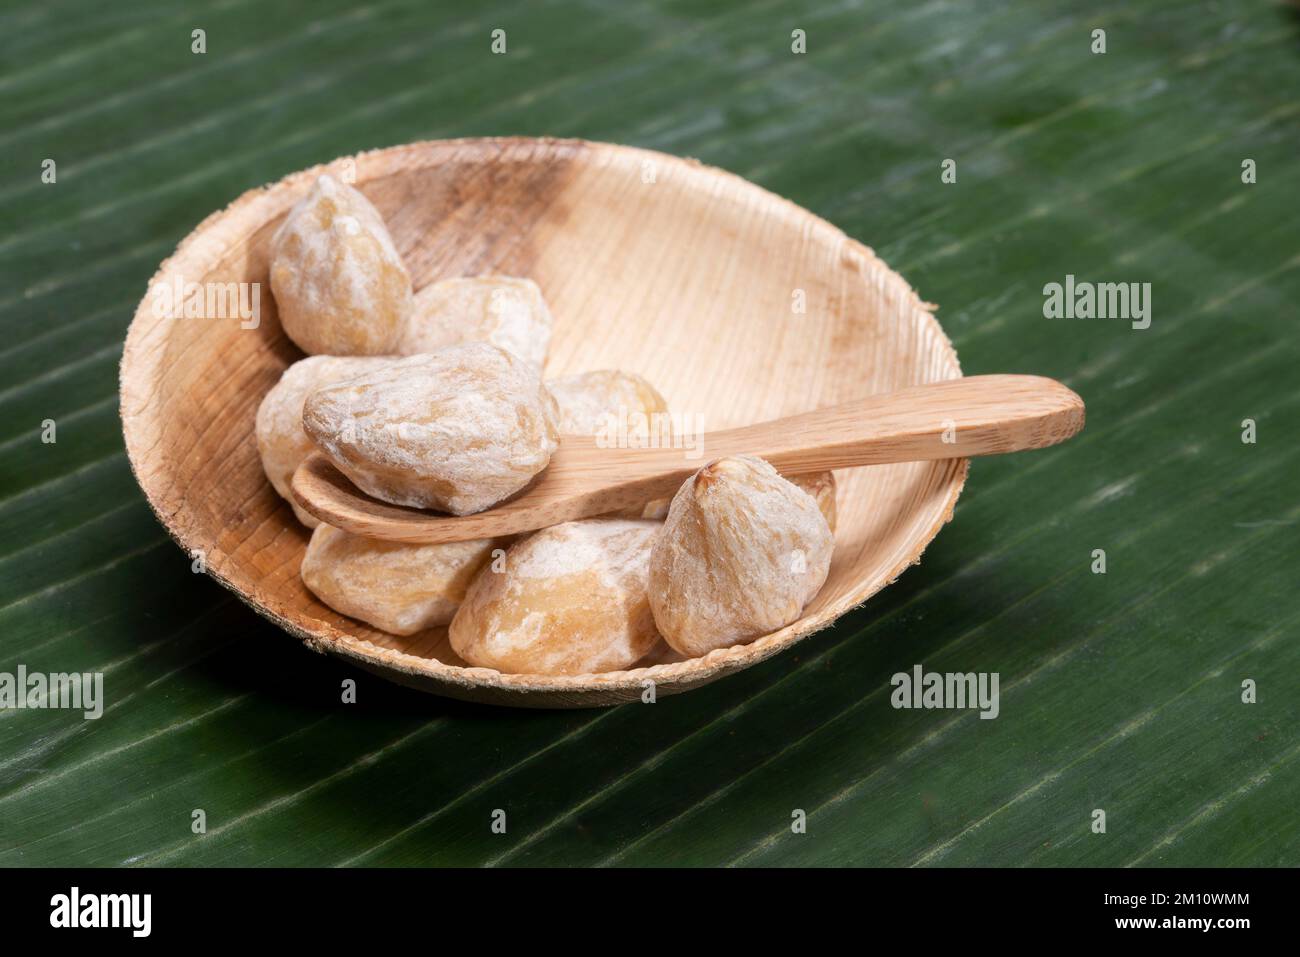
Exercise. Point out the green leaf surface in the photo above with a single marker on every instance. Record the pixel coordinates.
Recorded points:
(1119, 691)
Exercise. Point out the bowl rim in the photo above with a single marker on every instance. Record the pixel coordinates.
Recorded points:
(218, 228)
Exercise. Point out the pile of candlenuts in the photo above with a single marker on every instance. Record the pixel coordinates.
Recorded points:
(435, 399)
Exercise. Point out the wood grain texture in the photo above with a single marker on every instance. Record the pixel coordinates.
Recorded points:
(654, 264)
(586, 477)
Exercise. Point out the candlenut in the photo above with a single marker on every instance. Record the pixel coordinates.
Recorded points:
(821, 486)
(614, 404)
(396, 587)
(281, 440)
(340, 286)
(457, 430)
(507, 312)
(741, 553)
(607, 402)
(570, 599)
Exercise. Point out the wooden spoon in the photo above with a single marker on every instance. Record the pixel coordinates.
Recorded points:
(957, 418)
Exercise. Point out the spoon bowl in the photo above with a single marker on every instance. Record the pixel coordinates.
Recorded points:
(739, 306)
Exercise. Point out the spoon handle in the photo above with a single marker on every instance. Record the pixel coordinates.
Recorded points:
(957, 418)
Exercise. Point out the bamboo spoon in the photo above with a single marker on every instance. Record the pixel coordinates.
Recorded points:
(958, 418)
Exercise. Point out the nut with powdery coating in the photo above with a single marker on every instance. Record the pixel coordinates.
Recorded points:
(281, 440)
(571, 599)
(820, 485)
(507, 312)
(340, 286)
(458, 430)
(396, 587)
(742, 552)
(611, 403)
(593, 402)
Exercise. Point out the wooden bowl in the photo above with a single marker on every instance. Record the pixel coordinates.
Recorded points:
(737, 305)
